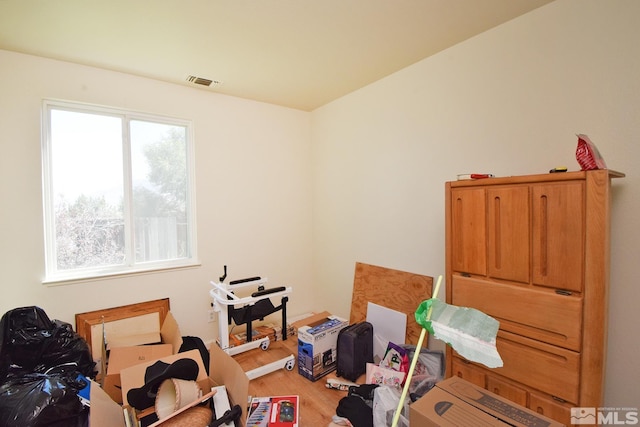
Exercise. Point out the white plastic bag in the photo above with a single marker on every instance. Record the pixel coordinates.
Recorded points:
(385, 403)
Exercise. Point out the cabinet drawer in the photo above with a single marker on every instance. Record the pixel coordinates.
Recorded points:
(506, 390)
(468, 372)
(550, 408)
(551, 369)
(532, 399)
(538, 314)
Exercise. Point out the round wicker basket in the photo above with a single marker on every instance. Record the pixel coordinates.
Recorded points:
(198, 416)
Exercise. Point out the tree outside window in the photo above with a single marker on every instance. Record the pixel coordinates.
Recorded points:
(118, 191)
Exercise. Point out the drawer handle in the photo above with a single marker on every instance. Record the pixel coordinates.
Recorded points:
(563, 292)
(543, 235)
(497, 238)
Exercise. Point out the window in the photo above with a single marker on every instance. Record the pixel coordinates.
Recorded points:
(118, 191)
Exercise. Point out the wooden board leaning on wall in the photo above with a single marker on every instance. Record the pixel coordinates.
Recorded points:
(394, 289)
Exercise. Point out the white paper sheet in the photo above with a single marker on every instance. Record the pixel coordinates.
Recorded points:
(388, 325)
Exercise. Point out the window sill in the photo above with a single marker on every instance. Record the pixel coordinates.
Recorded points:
(60, 281)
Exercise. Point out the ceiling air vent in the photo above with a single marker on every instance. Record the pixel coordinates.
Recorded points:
(202, 81)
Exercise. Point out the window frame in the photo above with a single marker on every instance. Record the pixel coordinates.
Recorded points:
(130, 266)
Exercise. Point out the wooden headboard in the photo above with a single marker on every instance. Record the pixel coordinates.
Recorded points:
(394, 289)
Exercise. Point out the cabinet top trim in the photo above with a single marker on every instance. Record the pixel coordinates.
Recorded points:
(522, 179)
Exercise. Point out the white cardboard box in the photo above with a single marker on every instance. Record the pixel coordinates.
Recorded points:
(317, 347)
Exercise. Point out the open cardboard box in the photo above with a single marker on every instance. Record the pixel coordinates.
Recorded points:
(223, 370)
(455, 402)
(310, 320)
(123, 357)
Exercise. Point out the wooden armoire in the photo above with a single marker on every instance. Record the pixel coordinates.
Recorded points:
(533, 252)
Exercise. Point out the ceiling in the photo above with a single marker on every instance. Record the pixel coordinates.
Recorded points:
(296, 53)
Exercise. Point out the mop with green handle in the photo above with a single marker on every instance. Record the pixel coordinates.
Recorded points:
(469, 331)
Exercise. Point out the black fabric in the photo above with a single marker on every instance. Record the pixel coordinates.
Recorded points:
(144, 397)
(196, 343)
(355, 410)
(365, 391)
(259, 310)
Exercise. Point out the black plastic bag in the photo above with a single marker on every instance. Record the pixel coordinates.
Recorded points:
(66, 346)
(43, 399)
(31, 342)
(22, 334)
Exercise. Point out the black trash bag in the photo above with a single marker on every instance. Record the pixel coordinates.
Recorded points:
(43, 399)
(31, 342)
(66, 346)
(22, 332)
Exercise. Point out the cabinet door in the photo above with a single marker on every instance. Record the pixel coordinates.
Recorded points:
(468, 230)
(508, 233)
(558, 235)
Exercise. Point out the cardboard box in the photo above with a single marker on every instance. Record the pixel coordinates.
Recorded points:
(223, 370)
(124, 357)
(456, 402)
(313, 319)
(317, 347)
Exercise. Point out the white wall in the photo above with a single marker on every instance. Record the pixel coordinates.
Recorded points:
(507, 102)
(372, 164)
(253, 183)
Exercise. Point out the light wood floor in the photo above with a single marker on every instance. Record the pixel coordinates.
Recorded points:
(317, 403)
